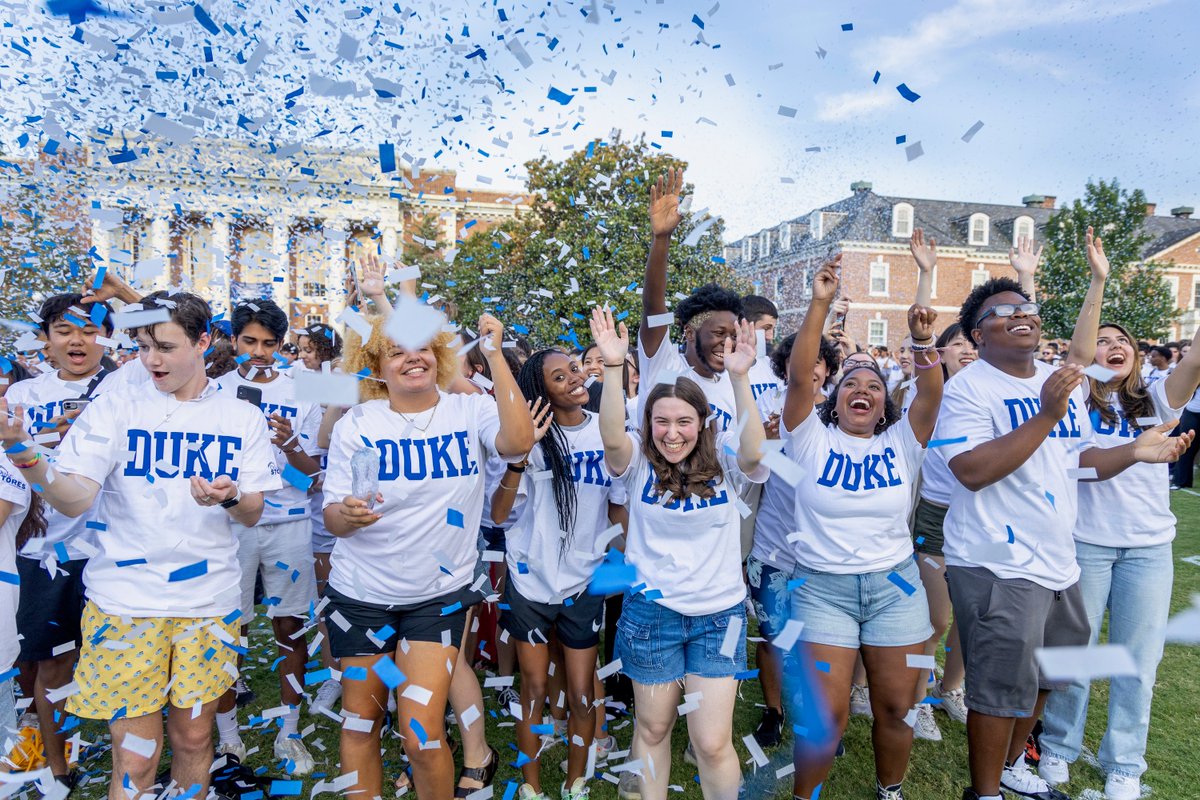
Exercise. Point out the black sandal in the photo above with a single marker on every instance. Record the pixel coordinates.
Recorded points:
(483, 774)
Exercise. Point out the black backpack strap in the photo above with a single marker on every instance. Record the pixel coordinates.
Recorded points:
(94, 384)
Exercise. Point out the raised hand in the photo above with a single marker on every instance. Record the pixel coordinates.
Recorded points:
(925, 254)
(1157, 446)
(1097, 260)
(613, 346)
(492, 334)
(664, 203)
(1056, 391)
(542, 418)
(1023, 257)
(825, 282)
(740, 355)
(370, 276)
(12, 426)
(111, 287)
(920, 322)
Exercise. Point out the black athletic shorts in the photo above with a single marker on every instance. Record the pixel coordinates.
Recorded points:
(577, 620)
(50, 612)
(349, 621)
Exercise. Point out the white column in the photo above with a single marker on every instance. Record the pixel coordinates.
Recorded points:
(281, 290)
(335, 272)
(160, 246)
(388, 240)
(218, 283)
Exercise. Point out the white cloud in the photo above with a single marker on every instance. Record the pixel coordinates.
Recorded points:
(849, 105)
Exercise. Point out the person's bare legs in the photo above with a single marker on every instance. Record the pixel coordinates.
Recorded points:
(812, 767)
(938, 593)
(993, 742)
(892, 685)
(580, 669)
(954, 671)
(710, 727)
(191, 746)
(465, 694)
(295, 655)
(535, 664)
(321, 567)
(366, 699)
(770, 674)
(140, 770)
(656, 706)
(556, 684)
(53, 673)
(432, 763)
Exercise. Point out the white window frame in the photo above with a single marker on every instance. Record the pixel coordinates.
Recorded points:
(899, 230)
(764, 244)
(805, 285)
(871, 276)
(1018, 223)
(779, 285)
(1195, 291)
(979, 276)
(747, 248)
(785, 236)
(1173, 282)
(872, 326)
(816, 225)
(987, 225)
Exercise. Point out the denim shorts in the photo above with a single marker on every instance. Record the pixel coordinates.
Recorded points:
(658, 645)
(769, 593)
(887, 608)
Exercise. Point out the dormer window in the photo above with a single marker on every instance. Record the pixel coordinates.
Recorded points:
(978, 230)
(785, 236)
(902, 220)
(764, 244)
(1022, 227)
(747, 248)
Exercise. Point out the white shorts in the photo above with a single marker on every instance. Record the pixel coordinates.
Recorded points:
(283, 554)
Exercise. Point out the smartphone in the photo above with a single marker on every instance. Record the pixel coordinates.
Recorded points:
(251, 394)
(75, 405)
(839, 320)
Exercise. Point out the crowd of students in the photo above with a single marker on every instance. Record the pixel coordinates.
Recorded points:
(969, 495)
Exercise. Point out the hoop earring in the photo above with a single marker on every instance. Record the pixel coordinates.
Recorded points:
(833, 417)
(879, 426)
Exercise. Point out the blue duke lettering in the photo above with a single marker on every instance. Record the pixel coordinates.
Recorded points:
(181, 454)
(1022, 409)
(692, 503)
(1122, 428)
(588, 467)
(873, 472)
(287, 412)
(445, 456)
(723, 417)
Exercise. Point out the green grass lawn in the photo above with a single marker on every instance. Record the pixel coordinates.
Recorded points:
(938, 770)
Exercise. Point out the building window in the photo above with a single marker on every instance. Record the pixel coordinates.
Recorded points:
(1196, 291)
(815, 227)
(313, 319)
(747, 248)
(876, 332)
(314, 289)
(805, 286)
(778, 286)
(764, 244)
(879, 277)
(785, 236)
(1022, 226)
(902, 220)
(979, 277)
(1173, 284)
(979, 230)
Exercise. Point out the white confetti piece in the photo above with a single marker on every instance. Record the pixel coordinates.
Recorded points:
(1085, 663)
(1101, 374)
(920, 662)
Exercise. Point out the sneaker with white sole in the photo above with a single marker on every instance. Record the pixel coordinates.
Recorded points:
(630, 786)
(1021, 780)
(578, 791)
(291, 749)
(1122, 787)
(235, 748)
(527, 792)
(860, 701)
(1054, 770)
(602, 747)
(926, 726)
(507, 697)
(888, 792)
(329, 693)
(953, 702)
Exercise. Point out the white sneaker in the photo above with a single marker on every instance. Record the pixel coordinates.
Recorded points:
(526, 792)
(292, 749)
(630, 786)
(29, 720)
(860, 701)
(234, 748)
(329, 693)
(602, 747)
(954, 702)
(926, 726)
(1021, 779)
(1122, 787)
(1054, 770)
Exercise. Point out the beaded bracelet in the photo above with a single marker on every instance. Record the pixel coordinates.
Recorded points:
(930, 365)
(36, 458)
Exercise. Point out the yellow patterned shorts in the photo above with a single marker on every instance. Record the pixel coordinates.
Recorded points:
(132, 666)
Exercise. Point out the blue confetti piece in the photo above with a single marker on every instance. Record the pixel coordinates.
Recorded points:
(935, 443)
(389, 673)
(189, 572)
(1050, 497)
(232, 616)
(699, 23)
(510, 790)
(285, 788)
(559, 96)
(1011, 536)
(847, 26)
(96, 525)
(748, 675)
(653, 594)
(822, 666)
(320, 676)
(542, 730)
(903, 585)
(387, 158)
(297, 478)
(9, 675)
(901, 139)
(354, 674)
(132, 562)
(10, 577)
(907, 93)
(60, 552)
(448, 610)
(794, 583)
(419, 730)
(207, 23)
(877, 77)
(454, 517)
(99, 312)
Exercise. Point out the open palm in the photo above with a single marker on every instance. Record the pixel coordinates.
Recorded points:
(664, 203)
(613, 346)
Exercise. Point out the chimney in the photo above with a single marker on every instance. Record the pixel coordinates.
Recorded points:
(1048, 201)
(1182, 212)
(860, 186)
(1033, 200)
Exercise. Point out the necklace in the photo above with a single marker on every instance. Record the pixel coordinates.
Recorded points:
(413, 419)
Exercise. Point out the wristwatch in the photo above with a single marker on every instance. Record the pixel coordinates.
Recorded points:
(233, 501)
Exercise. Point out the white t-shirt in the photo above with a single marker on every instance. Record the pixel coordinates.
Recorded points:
(762, 378)
(667, 364)
(132, 373)
(289, 503)
(1193, 405)
(161, 554)
(540, 563)
(13, 489)
(852, 506)
(1154, 374)
(774, 522)
(1038, 502)
(42, 397)
(1134, 508)
(424, 546)
(687, 552)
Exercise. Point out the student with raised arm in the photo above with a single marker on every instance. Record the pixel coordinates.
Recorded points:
(164, 585)
(1017, 432)
(684, 621)
(859, 589)
(708, 317)
(1024, 260)
(404, 495)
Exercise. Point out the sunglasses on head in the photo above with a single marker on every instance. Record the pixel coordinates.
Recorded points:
(1008, 309)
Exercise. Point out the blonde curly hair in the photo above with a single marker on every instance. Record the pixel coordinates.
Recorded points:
(360, 355)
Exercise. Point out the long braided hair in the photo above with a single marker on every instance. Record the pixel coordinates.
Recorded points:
(555, 450)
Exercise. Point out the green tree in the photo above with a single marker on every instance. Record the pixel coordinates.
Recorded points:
(583, 242)
(1136, 295)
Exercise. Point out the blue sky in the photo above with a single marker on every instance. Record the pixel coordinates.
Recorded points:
(1067, 89)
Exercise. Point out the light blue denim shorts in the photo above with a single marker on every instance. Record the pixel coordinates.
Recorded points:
(658, 645)
(887, 608)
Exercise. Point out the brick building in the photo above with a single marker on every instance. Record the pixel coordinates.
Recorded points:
(880, 276)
